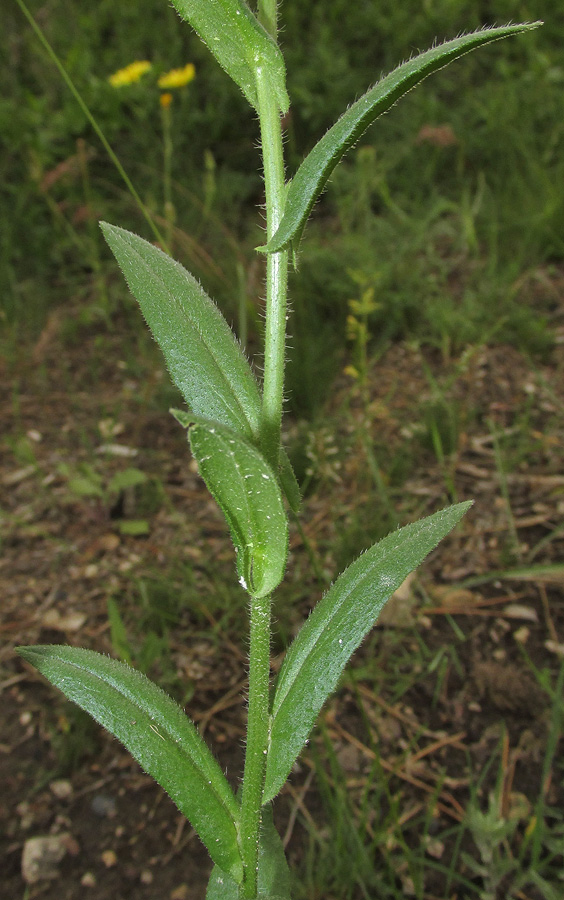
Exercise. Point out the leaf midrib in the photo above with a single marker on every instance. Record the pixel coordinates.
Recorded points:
(434, 62)
(357, 583)
(193, 763)
(186, 313)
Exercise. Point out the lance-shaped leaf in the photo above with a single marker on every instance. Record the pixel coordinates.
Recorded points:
(273, 877)
(239, 43)
(338, 624)
(289, 482)
(245, 487)
(312, 175)
(203, 357)
(157, 733)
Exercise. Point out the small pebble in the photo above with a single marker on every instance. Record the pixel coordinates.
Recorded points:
(522, 634)
(109, 858)
(88, 880)
(61, 788)
(103, 806)
(41, 855)
(146, 877)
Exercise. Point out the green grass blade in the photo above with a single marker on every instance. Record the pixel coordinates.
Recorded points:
(551, 573)
(203, 357)
(239, 43)
(157, 733)
(247, 490)
(335, 629)
(312, 175)
(92, 119)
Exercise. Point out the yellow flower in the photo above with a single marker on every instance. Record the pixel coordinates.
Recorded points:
(177, 77)
(165, 100)
(132, 73)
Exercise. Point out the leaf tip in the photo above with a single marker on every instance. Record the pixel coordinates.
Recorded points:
(106, 227)
(30, 654)
(182, 417)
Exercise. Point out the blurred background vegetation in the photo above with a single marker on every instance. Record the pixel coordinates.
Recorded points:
(444, 210)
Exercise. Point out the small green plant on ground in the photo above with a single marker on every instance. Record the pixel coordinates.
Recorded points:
(234, 430)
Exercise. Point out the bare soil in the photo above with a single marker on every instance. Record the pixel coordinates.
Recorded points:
(71, 402)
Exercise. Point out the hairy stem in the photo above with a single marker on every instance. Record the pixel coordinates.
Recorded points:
(257, 742)
(267, 16)
(276, 272)
(271, 417)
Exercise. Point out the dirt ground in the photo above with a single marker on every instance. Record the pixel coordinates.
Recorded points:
(75, 403)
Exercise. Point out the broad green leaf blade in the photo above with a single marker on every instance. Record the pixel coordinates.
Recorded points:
(157, 733)
(286, 474)
(312, 175)
(274, 879)
(239, 43)
(338, 624)
(203, 357)
(246, 489)
(221, 886)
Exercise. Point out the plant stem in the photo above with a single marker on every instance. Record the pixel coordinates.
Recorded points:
(276, 271)
(271, 418)
(267, 15)
(257, 742)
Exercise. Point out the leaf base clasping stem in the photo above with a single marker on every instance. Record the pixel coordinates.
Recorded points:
(276, 272)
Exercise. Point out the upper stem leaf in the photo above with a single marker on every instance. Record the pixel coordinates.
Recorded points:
(247, 490)
(203, 357)
(312, 175)
(338, 624)
(157, 733)
(239, 43)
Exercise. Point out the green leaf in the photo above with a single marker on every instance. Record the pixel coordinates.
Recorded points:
(286, 474)
(289, 482)
(274, 878)
(203, 357)
(83, 486)
(118, 633)
(221, 886)
(128, 478)
(134, 527)
(157, 733)
(247, 490)
(312, 175)
(239, 43)
(338, 624)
